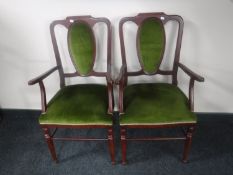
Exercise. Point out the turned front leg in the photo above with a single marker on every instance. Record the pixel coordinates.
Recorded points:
(50, 143)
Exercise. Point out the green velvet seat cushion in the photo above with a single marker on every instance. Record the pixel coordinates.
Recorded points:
(78, 105)
(155, 104)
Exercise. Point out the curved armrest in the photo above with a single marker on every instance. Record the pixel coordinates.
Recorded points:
(121, 75)
(39, 80)
(193, 77)
(191, 73)
(42, 76)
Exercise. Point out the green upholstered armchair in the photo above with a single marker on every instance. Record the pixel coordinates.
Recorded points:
(154, 105)
(80, 105)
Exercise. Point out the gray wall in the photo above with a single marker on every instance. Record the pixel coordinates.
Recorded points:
(26, 49)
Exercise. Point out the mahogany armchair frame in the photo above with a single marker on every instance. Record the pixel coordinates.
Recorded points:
(50, 137)
(123, 79)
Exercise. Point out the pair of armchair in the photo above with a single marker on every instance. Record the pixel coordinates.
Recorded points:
(154, 105)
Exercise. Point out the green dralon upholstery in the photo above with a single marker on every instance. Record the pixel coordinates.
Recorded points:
(82, 47)
(158, 103)
(78, 104)
(151, 44)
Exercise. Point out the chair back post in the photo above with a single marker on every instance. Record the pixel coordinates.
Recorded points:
(122, 45)
(180, 21)
(109, 49)
(56, 52)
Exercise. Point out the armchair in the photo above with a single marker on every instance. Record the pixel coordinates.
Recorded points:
(154, 105)
(81, 105)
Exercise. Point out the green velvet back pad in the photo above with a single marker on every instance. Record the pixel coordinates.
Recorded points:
(151, 41)
(81, 46)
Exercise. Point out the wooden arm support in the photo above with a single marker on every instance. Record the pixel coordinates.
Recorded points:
(42, 76)
(39, 80)
(191, 73)
(193, 77)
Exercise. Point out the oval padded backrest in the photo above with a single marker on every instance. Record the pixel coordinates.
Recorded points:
(151, 39)
(82, 47)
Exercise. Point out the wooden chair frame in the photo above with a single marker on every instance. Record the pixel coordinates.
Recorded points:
(50, 137)
(124, 74)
